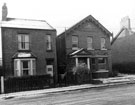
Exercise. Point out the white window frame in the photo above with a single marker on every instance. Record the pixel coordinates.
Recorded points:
(23, 42)
(18, 66)
(103, 44)
(49, 42)
(75, 42)
(90, 42)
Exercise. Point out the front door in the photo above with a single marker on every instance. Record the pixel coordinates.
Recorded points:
(82, 60)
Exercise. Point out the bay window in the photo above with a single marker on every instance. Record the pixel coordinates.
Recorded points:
(24, 67)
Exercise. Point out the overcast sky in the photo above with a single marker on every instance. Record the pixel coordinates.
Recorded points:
(65, 13)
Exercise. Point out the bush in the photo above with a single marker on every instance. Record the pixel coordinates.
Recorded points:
(82, 74)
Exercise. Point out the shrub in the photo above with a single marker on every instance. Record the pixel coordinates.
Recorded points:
(82, 73)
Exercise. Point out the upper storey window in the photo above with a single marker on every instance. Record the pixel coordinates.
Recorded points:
(103, 41)
(23, 42)
(89, 43)
(49, 42)
(74, 42)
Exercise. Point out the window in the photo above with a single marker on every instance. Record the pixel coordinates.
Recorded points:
(101, 63)
(75, 42)
(103, 44)
(89, 43)
(49, 42)
(24, 67)
(23, 42)
(101, 60)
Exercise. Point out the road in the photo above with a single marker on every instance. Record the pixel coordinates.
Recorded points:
(116, 95)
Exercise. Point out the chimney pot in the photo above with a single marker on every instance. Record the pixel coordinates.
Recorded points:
(4, 12)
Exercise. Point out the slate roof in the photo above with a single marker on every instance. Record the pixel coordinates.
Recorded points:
(26, 23)
(88, 18)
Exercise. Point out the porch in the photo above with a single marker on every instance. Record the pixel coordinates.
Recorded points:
(97, 64)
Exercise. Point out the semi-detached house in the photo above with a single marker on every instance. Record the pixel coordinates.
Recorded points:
(28, 47)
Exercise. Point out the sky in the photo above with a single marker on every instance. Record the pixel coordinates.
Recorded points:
(63, 14)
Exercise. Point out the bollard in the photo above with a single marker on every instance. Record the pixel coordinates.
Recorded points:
(2, 84)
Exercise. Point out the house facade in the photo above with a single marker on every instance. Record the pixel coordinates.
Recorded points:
(86, 42)
(28, 47)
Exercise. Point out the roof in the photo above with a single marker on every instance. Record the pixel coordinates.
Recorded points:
(86, 53)
(92, 19)
(23, 55)
(26, 23)
(81, 51)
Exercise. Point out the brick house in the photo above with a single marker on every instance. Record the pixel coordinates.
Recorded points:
(28, 47)
(88, 41)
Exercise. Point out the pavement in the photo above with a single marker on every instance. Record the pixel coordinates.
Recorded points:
(106, 82)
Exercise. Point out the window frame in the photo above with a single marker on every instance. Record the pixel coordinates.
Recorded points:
(75, 42)
(90, 42)
(103, 43)
(23, 41)
(48, 42)
(102, 65)
(102, 62)
(18, 69)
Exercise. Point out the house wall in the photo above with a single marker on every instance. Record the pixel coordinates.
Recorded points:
(37, 47)
(82, 33)
(87, 29)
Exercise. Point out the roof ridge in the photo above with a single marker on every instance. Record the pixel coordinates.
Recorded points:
(26, 19)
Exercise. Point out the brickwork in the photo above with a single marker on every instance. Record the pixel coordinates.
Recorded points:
(37, 47)
(83, 29)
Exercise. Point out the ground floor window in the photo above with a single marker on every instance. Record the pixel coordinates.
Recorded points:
(24, 67)
(101, 63)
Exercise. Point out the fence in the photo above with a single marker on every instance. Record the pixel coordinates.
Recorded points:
(16, 84)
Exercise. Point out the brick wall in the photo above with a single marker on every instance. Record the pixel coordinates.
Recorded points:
(37, 47)
(83, 32)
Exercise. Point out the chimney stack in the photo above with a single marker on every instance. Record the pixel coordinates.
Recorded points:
(4, 12)
(125, 23)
